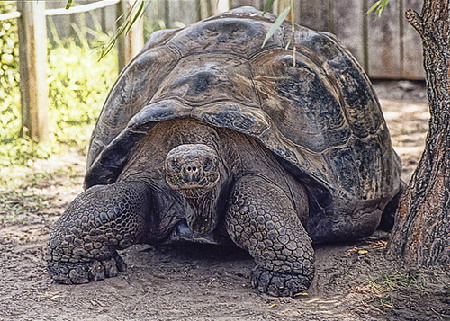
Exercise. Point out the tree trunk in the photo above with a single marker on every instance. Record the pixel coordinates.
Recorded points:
(421, 232)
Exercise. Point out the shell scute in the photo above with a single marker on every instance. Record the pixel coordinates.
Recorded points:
(300, 100)
(136, 85)
(239, 36)
(198, 79)
(341, 160)
(363, 111)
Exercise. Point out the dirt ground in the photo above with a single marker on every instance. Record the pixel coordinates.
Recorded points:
(353, 281)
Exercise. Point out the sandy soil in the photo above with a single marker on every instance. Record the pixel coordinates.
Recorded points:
(353, 281)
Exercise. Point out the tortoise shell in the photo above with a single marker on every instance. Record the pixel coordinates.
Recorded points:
(313, 107)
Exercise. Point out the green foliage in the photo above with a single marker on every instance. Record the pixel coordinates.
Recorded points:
(9, 65)
(151, 26)
(15, 203)
(9, 82)
(9, 51)
(268, 5)
(378, 7)
(278, 22)
(385, 286)
(78, 85)
(276, 25)
(128, 19)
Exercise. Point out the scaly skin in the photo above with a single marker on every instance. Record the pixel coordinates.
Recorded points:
(84, 240)
(262, 220)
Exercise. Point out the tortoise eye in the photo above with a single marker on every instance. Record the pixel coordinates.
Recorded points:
(207, 165)
(175, 165)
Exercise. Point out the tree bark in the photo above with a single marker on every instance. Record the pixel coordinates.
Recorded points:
(421, 232)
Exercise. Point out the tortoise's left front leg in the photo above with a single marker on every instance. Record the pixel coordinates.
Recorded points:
(262, 219)
(83, 242)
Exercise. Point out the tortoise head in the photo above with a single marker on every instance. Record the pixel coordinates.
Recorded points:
(192, 169)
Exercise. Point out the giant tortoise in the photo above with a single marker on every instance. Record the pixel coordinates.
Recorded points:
(207, 136)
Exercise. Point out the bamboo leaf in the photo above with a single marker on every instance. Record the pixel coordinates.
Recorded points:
(129, 19)
(69, 3)
(288, 44)
(276, 25)
(138, 13)
(269, 4)
(378, 7)
(373, 7)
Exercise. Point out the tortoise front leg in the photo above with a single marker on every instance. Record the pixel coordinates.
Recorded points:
(262, 220)
(83, 242)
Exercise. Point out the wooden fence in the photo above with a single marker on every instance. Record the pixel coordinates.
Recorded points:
(386, 47)
(32, 31)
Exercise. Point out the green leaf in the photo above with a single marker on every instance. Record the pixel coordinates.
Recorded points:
(69, 3)
(128, 19)
(276, 25)
(372, 8)
(138, 13)
(269, 4)
(288, 44)
(378, 7)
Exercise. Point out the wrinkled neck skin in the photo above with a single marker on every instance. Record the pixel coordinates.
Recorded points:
(205, 212)
(197, 172)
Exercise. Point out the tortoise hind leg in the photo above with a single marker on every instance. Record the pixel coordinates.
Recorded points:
(262, 220)
(83, 242)
(388, 216)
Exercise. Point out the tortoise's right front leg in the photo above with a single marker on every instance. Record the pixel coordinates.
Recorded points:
(83, 242)
(262, 219)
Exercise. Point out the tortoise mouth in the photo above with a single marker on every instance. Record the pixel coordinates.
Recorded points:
(192, 169)
(193, 190)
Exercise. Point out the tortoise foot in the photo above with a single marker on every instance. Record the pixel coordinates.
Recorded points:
(279, 284)
(83, 272)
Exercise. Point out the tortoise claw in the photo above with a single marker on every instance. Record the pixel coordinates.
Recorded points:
(83, 272)
(278, 284)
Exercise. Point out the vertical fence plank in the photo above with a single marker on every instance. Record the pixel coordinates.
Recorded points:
(412, 53)
(33, 68)
(206, 9)
(258, 4)
(387, 47)
(108, 17)
(281, 5)
(61, 22)
(155, 16)
(182, 12)
(219, 6)
(349, 26)
(383, 42)
(132, 42)
(316, 15)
